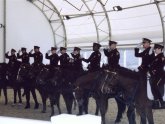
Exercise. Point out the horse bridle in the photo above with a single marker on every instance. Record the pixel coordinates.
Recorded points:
(107, 75)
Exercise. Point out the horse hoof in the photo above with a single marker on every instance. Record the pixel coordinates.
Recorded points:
(13, 104)
(20, 104)
(27, 106)
(36, 106)
(43, 111)
(117, 122)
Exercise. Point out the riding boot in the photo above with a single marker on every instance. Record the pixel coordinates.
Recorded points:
(27, 106)
(162, 103)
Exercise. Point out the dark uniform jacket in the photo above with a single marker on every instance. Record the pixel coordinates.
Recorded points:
(54, 58)
(64, 60)
(94, 60)
(38, 57)
(11, 58)
(77, 62)
(113, 58)
(157, 65)
(24, 57)
(146, 58)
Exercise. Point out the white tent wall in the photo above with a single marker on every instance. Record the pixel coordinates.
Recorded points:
(1, 31)
(26, 26)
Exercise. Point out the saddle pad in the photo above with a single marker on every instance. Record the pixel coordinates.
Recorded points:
(149, 92)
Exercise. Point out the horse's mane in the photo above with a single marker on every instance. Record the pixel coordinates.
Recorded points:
(128, 73)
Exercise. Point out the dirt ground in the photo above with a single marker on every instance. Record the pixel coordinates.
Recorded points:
(20, 112)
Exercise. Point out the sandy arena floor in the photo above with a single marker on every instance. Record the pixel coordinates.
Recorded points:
(19, 111)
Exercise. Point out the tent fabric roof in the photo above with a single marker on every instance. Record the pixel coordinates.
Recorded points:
(81, 22)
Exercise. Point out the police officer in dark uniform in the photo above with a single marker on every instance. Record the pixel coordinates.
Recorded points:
(54, 58)
(157, 72)
(113, 55)
(37, 55)
(94, 58)
(77, 60)
(146, 55)
(12, 58)
(64, 58)
(24, 56)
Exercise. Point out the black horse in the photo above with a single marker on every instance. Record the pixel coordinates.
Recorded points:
(27, 84)
(12, 73)
(47, 81)
(134, 87)
(93, 83)
(3, 80)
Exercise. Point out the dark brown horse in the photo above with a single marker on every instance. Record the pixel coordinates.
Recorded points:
(3, 80)
(91, 84)
(27, 84)
(134, 86)
(12, 72)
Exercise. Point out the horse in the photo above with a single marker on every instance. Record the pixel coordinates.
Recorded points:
(3, 80)
(35, 69)
(12, 71)
(90, 84)
(47, 81)
(23, 79)
(134, 87)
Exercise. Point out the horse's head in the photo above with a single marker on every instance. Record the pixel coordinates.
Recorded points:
(109, 82)
(56, 76)
(23, 72)
(3, 70)
(34, 70)
(43, 75)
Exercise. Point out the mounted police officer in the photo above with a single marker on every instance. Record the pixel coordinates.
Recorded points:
(37, 55)
(94, 58)
(146, 55)
(64, 58)
(157, 72)
(54, 58)
(12, 58)
(24, 56)
(113, 55)
(77, 60)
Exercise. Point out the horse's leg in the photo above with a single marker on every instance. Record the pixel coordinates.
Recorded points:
(121, 108)
(15, 95)
(43, 97)
(142, 114)
(5, 94)
(149, 115)
(85, 105)
(27, 93)
(97, 107)
(19, 94)
(32, 89)
(58, 102)
(68, 98)
(103, 105)
(131, 114)
(52, 102)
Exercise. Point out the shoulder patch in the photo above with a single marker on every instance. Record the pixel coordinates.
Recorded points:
(163, 58)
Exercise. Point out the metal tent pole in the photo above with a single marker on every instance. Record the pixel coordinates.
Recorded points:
(4, 32)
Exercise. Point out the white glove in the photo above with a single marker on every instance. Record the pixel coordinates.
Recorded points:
(139, 45)
(48, 51)
(19, 51)
(31, 51)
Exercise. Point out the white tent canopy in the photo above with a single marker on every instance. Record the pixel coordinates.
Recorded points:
(70, 23)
